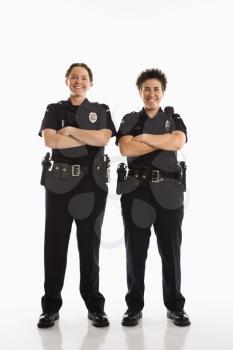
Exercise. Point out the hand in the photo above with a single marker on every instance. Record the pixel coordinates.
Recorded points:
(67, 131)
(140, 138)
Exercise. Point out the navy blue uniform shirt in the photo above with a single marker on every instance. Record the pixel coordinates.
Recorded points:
(89, 116)
(140, 123)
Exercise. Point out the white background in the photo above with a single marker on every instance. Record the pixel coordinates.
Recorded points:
(191, 41)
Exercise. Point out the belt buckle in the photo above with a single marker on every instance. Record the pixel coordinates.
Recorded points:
(75, 170)
(155, 176)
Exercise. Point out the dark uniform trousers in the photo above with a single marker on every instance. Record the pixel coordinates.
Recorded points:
(58, 225)
(140, 211)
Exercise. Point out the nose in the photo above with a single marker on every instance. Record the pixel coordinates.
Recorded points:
(150, 94)
(78, 80)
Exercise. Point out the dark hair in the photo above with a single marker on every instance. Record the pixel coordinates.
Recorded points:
(83, 65)
(152, 74)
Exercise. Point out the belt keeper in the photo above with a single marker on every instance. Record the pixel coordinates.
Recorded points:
(155, 176)
(144, 176)
(75, 170)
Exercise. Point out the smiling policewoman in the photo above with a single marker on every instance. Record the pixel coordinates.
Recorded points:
(152, 195)
(75, 178)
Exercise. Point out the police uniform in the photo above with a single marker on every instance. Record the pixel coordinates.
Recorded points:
(75, 190)
(152, 196)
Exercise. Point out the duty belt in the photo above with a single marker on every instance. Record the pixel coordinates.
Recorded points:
(98, 168)
(147, 174)
(144, 174)
(69, 169)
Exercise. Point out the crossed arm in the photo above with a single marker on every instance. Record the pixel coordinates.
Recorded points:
(145, 143)
(69, 137)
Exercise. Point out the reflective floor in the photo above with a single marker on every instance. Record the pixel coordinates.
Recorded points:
(211, 329)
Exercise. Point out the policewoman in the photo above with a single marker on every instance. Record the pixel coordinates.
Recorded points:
(75, 177)
(152, 195)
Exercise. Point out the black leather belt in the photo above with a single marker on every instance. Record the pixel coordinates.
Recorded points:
(69, 169)
(144, 174)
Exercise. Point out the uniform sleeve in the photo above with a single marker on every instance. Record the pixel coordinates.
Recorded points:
(50, 120)
(179, 124)
(126, 127)
(110, 124)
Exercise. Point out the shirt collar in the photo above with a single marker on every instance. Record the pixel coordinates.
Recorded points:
(143, 112)
(68, 102)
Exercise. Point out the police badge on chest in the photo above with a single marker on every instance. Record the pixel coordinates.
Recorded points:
(167, 125)
(93, 117)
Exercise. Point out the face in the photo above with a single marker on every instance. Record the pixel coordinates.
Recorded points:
(151, 93)
(78, 82)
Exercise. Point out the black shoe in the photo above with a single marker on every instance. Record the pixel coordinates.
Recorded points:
(47, 319)
(180, 318)
(99, 319)
(131, 318)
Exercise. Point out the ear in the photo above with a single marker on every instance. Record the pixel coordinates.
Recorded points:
(66, 82)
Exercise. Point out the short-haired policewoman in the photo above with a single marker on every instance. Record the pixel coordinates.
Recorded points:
(152, 195)
(75, 188)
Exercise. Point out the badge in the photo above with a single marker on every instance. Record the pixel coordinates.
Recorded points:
(92, 117)
(167, 125)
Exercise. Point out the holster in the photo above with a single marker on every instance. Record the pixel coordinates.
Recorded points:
(46, 163)
(182, 174)
(121, 177)
(102, 167)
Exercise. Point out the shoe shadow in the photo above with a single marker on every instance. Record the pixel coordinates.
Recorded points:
(94, 338)
(135, 339)
(51, 339)
(175, 337)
